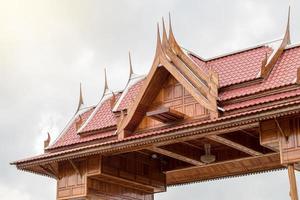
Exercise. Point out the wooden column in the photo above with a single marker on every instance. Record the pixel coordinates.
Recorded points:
(293, 183)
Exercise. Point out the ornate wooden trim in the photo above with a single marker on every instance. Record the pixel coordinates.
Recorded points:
(268, 65)
(242, 122)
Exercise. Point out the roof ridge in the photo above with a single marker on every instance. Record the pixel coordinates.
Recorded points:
(257, 45)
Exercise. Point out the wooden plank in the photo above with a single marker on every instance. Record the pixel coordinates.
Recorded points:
(176, 156)
(125, 182)
(293, 183)
(234, 145)
(223, 169)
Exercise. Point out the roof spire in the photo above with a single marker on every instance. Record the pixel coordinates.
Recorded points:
(287, 32)
(80, 103)
(170, 27)
(158, 41)
(164, 38)
(131, 73)
(47, 141)
(106, 89)
(172, 41)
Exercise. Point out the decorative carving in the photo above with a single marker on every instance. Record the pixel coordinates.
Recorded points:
(272, 60)
(47, 141)
(80, 103)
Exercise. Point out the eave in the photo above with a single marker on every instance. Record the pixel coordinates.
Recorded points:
(184, 132)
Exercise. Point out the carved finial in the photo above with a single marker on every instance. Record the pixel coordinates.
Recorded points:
(47, 141)
(113, 100)
(164, 38)
(78, 122)
(287, 32)
(170, 27)
(106, 88)
(105, 81)
(80, 103)
(131, 73)
(172, 41)
(158, 43)
(265, 59)
(170, 22)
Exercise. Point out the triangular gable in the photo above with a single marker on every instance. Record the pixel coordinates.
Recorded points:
(172, 104)
(170, 59)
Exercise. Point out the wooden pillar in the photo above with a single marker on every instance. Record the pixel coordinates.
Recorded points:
(293, 183)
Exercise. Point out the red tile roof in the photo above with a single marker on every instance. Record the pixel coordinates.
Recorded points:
(236, 68)
(70, 136)
(130, 95)
(265, 99)
(232, 69)
(101, 118)
(284, 73)
(229, 69)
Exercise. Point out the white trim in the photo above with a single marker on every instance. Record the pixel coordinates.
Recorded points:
(81, 111)
(292, 46)
(131, 82)
(104, 98)
(268, 43)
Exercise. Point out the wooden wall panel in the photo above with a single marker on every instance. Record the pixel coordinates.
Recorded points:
(224, 169)
(290, 140)
(269, 134)
(93, 165)
(174, 95)
(108, 191)
(135, 167)
(72, 184)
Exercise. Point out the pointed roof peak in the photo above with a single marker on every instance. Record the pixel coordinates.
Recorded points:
(80, 103)
(158, 34)
(287, 32)
(131, 72)
(170, 26)
(158, 41)
(164, 37)
(106, 90)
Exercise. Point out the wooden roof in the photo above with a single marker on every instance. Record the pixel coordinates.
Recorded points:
(238, 90)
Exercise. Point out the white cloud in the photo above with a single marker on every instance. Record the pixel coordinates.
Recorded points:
(7, 193)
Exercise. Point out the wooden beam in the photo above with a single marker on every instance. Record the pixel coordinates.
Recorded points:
(192, 145)
(293, 183)
(125, 182)
(176, 156)
(164, 114)
(75, 167)
(234, 145)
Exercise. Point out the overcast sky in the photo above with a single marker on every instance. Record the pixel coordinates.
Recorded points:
(47, 47)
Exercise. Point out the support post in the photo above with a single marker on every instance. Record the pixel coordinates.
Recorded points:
(293, 183)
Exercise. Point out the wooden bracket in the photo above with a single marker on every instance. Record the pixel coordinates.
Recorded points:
(50, 172)
(76, 169)
(286, 136)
